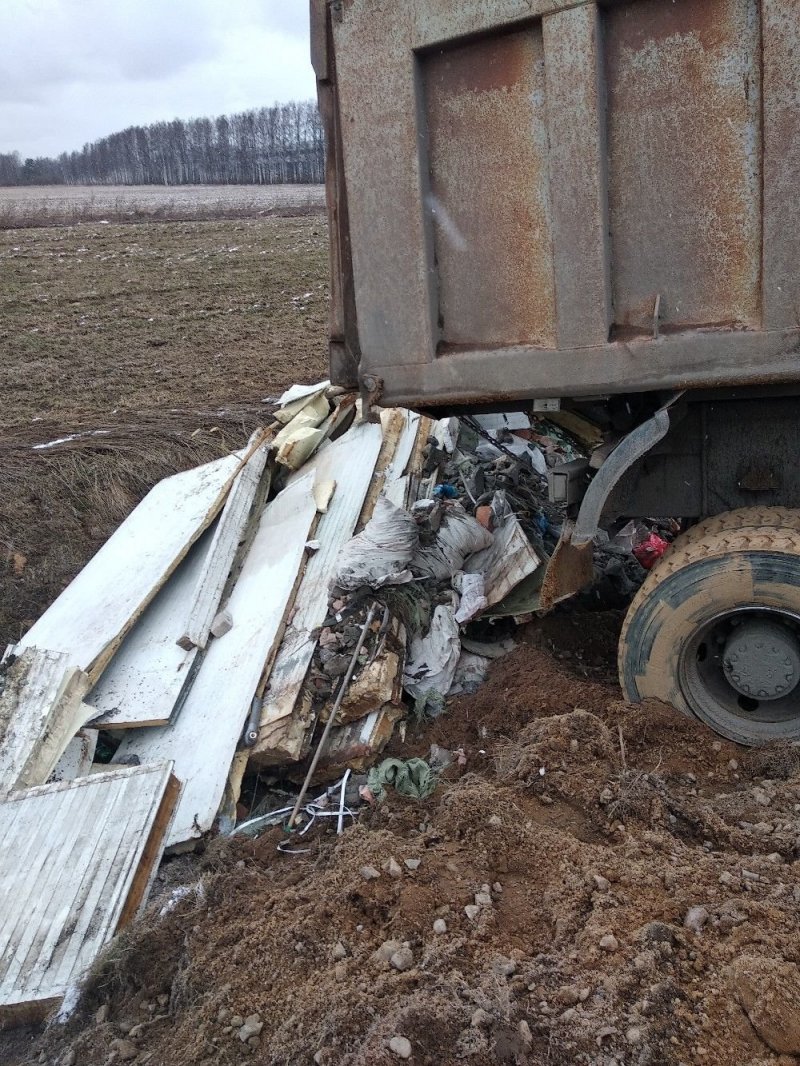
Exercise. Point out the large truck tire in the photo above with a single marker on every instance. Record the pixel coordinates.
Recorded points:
(715, 628)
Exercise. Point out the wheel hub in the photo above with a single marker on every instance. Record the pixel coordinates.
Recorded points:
(762, 659)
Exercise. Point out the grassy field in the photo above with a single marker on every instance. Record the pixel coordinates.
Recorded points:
(168, 337)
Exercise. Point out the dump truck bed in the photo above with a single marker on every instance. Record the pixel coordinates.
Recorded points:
(535, 198)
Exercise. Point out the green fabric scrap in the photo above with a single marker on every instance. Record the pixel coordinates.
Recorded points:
(413, 778)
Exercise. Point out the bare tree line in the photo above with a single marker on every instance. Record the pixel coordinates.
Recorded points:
(282, 144)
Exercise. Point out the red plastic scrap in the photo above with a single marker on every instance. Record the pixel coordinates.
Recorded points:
(650, 550)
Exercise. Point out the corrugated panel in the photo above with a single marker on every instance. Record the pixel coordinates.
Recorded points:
(490, 190)
(684, 140)
(76, 859)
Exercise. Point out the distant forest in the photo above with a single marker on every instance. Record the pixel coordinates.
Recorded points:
(282, 144)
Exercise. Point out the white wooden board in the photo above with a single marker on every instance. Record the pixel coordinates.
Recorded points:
(350, 462)
(219, 557)
(93, 614)
(76, 861)
(143, 682)
(41, 709)
(203, 738)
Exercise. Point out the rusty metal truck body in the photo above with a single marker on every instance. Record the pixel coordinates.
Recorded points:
(595, 205)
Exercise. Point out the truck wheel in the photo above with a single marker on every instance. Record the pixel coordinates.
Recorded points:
(715, 628)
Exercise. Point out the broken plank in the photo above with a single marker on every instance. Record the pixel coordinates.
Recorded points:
(350, 461)
(222, 551)
(203, 737)
(91, 617)
(143, 683)
(76, 861)
(508, 560)
(41, 709)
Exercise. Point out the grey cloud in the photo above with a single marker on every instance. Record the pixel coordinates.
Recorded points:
(74, 70)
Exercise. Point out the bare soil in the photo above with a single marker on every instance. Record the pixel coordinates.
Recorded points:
(589, 829)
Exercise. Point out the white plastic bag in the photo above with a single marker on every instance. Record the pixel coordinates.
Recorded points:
(381, 552)
(473, 597)
(459, 536)
(431, 660)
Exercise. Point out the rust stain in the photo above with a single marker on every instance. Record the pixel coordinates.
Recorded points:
(490, 202)
(685, 160)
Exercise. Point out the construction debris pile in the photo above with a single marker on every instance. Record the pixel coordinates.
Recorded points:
(274, 613)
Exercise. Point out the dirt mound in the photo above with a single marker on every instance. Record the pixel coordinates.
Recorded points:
(596, 912)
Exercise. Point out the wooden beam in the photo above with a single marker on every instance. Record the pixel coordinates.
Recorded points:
(222, 551)
(351, 462)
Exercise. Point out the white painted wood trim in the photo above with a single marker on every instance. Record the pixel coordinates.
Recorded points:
(91, 617)
(202, 739)
(222, 551)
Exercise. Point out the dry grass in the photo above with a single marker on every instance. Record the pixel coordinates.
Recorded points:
(58, 205)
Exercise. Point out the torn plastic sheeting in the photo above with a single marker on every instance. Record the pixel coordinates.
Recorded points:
(473, 596)
(432, 659)
(459, 536)
(380, 554)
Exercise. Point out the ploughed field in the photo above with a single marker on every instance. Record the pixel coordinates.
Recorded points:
(142, 348)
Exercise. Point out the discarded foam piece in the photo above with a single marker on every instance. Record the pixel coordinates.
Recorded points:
(296, 398)
(87, 852)
(221, 553)
(41, 710)
(358, 744)
(202, 739)
(323, 493)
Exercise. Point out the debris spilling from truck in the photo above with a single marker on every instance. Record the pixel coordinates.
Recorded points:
(304, 645)
(289, 604)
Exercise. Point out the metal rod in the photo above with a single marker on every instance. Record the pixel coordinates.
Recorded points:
(334, 711)
(340, 823)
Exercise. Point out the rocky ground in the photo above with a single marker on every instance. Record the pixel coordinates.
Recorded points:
(598, 883)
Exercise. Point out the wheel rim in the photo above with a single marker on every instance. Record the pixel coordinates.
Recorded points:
(731, 670)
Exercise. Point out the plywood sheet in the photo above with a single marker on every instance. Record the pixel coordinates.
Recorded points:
(202, 739)
(41, 709)
(76, 861)
(508, 560)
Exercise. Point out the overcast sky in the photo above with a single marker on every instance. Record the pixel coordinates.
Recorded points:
(74, 70)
